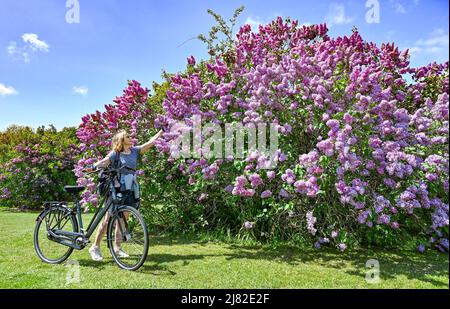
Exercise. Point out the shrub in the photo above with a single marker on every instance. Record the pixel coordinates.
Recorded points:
(35, 165)
(363, 147)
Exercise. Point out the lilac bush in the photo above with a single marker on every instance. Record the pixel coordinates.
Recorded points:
(363, 136)
(36, 165)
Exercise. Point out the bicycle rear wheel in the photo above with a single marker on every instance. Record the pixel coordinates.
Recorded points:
(53, 218)
(128, 232)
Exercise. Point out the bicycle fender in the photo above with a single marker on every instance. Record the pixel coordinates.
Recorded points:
(41, 215)
(58, 205)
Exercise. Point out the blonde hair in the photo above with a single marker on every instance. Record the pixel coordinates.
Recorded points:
(118, 141)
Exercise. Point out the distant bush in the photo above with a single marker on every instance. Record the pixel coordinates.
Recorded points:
(35, 165)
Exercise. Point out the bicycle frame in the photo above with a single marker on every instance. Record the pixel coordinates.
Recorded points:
(64, 237)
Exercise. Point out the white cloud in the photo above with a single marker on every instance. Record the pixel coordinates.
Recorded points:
(31, 45)
(336, 15)
(399, 8)
(82, 90)
(390, 35)
(7, 90)
(12, 48)
(33, 40)
(403, 6)
(26, 57)
(437, 42)
(437, 38)
(254, 22)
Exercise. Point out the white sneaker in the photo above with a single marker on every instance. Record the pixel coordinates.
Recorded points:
(120, 253)
(96, 254)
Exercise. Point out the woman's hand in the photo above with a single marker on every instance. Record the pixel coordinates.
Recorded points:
(151, 142)
(158, 135)
(90, 168)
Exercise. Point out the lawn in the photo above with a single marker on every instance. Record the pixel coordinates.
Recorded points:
(183, 263)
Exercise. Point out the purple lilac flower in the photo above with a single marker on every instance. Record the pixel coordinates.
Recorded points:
(311, 220)
(288, 176)
(348, 119)
(255, 180)
(431, 176)
(266, 194)
(284, 193)
(333, 124)
(324, 240)
(421, 248)
(270, 175)
(202, 197)
(248, 225)
(395, 225)
(384, 219)
(317, 245)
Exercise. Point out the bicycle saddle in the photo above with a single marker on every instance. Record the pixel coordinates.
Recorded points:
(74, 189)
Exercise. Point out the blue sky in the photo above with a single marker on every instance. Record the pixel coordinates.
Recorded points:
(54, 72)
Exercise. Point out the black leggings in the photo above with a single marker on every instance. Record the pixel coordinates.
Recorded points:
(127, 199)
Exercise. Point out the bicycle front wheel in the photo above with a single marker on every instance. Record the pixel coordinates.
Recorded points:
(128, 238)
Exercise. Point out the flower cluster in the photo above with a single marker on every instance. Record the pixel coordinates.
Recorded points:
(129, 112)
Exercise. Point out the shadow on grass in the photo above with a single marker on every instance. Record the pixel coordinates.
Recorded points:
(22, 211)
(153, 269)
(412, 265)
(181, 240)
(99, 265)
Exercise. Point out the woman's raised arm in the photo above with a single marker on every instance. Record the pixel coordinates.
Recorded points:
(151, 142)
(102, 163)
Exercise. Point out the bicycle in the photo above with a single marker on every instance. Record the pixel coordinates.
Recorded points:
(59, 228)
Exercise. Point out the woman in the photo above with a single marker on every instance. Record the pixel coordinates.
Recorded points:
(124, 152)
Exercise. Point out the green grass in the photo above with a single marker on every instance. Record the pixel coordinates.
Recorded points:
(184, 263)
